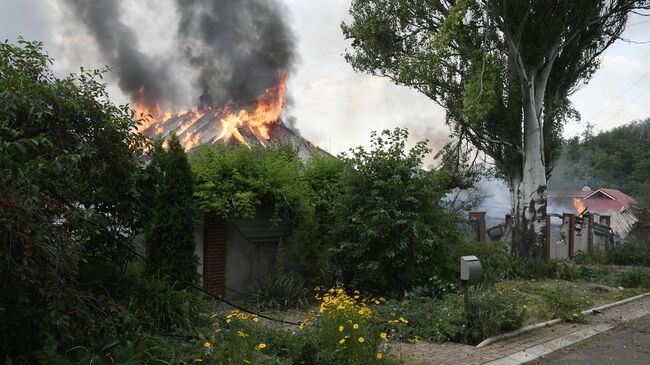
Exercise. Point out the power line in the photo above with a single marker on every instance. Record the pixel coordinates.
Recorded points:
(630, 103)
(618, 97)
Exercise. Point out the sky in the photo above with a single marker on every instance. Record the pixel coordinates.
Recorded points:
(334, 106)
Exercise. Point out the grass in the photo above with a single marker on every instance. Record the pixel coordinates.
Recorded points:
(538, 293)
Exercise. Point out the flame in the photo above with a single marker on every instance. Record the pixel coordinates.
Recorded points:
(579, 205)
(232, 118)
(266, 112)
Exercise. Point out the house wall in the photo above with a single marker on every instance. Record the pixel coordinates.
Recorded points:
(246, 262)
(198, 250)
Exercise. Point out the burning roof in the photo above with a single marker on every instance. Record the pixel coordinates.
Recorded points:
(256, 124)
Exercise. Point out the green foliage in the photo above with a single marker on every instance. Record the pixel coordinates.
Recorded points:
(634, 278)
(617, 158)
(170, 235)
(496, 261)
(237, 182)
(563, 304)
(70, 196)
(490, 313)
(390, 228)
(158, 305)
(284, 292)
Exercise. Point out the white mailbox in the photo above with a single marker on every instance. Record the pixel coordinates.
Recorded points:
(470, 269)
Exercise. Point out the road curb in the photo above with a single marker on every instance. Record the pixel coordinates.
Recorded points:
(523, 330)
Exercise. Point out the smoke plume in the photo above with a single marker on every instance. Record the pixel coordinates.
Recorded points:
(141, 77)
(239, 47)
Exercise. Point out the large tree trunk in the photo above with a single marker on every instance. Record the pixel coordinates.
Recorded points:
(528, 180)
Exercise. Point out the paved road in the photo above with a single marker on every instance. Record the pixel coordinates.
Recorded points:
(627, 345)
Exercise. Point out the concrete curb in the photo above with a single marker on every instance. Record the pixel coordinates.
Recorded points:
(521, 331)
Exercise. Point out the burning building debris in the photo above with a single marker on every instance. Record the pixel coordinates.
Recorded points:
(241, 53)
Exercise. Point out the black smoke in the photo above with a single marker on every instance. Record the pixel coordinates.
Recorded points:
(143, 78)
(239, 47)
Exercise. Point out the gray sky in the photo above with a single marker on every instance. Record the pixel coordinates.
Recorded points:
(335, 107)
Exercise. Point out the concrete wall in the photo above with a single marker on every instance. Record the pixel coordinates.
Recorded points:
(559, 242)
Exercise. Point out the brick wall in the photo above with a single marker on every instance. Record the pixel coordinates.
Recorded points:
(214, 255)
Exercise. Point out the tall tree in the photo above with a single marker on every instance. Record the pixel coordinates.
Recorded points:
(503, 70)
(170, 235)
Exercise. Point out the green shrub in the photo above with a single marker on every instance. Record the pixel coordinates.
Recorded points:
(159, 305)
(169, 235)
(594, 257)
(390, 232)
(634, 252)
(495, 259)
(284, 292)
(341, 333)
(490, 313)
(634, 278)
(561, 303)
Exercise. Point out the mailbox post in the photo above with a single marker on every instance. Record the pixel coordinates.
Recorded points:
(470, 274)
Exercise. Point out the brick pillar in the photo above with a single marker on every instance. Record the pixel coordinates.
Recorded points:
(479, 217)
(572, 232)
(214, 255)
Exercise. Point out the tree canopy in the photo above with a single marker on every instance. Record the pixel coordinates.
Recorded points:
(70, 194)
(618, 158)
(503, 71)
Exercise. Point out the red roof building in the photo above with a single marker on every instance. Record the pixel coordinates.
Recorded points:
(605, 201)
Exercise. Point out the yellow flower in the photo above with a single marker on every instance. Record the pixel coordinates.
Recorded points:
(241, 334)
(228, 320)
(255, 319)
(342, 341)
(362, 340)
(383, 336)
(262, 345)
(403, 320)
(341, 328)
(207, 344)
(355, 326)
(198, 359)
(379, 356)
(525, 306)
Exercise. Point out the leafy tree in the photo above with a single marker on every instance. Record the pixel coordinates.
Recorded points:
(69, 195)
(170, 236)
(503, 70)
(389, 227)
(618, 158)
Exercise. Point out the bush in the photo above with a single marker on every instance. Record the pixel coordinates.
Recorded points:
(169, 236)
(284, 292)
(390, 232)
(490, 313)
(498, 264)
(341, 333)
(161, 305)
(634, 278)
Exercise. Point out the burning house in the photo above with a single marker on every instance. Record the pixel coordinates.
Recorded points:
(237, 56)
(577, 222)
(234, 255)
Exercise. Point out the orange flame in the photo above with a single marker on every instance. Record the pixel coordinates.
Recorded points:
(266, 112)
(258, 118)
(579, 205)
